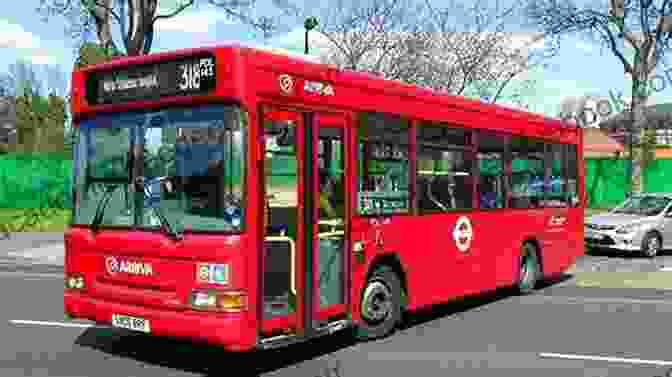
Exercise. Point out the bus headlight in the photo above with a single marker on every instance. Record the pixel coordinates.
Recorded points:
(74, 281)
(218, 300)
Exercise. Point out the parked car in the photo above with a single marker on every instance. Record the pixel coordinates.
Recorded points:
(643, 224)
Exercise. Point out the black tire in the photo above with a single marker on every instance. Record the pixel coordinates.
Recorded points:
(529, 269)
(380, 305)
(651, 244)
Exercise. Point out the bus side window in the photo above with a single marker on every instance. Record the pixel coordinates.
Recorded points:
(444, 173)
(556, 193)
(572, 174)
(383, 171)
(491, 184)
(528, 178)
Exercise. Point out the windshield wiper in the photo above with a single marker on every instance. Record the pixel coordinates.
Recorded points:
(100, 209)
(166, 224)
(140, 182)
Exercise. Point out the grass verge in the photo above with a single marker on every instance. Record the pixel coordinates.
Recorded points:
(650, 280)
(56, 220)
(594, 211)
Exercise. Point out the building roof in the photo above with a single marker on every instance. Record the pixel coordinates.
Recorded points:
(596, 140)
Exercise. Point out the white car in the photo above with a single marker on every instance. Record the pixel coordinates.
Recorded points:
(642, 224)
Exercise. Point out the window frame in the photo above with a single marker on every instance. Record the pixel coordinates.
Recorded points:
(506, 167)
(468, 149)
(545, 168)
(361, 165)
(566, 153)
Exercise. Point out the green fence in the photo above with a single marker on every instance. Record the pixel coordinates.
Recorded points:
(32, 181)
(606, 182)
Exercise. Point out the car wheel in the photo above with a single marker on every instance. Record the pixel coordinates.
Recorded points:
(529, 270)
(380, 306)
(651, 244)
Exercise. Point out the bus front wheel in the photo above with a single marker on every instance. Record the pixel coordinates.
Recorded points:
(380, 306)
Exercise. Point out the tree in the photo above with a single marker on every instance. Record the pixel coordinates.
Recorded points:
(363, 36)
(40, 116)
(643, 26)
(576, 109)
(135, 20)
(461, 50)
(472, 53)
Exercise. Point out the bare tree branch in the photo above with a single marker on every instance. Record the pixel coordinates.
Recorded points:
(174, 13)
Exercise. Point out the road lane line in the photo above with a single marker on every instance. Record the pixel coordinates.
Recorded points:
(604, 358)
(44, 323)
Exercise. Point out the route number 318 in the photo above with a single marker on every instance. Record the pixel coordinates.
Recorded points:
(191, 76)
(192, 73)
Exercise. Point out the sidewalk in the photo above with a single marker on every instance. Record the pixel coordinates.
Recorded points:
(34, 248)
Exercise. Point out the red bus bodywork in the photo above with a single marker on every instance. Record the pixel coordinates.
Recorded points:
(432, 268)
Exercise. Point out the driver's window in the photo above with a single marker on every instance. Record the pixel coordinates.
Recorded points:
(193, 171)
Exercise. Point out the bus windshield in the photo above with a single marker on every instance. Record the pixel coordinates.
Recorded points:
(179, 168)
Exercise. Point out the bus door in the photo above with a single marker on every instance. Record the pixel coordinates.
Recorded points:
(303, 178)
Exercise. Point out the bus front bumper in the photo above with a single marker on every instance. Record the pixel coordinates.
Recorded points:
(228, 330)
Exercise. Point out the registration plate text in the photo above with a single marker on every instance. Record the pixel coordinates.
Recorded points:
(130, 323)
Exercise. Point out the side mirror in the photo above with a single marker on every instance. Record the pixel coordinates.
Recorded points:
(282, 132)
(286, 138)
(168, 186)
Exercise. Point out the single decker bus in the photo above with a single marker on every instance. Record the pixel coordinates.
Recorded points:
(252, 199)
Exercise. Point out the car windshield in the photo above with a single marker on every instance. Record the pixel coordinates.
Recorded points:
(180, 168)
(642, 206)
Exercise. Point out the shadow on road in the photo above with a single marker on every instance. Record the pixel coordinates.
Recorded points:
(209, 360)
(593, 252)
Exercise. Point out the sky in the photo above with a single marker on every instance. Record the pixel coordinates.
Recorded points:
(580, 68)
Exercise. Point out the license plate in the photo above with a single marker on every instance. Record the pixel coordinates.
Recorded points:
(130, 323)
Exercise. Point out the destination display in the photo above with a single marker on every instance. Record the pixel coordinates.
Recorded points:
(382, 202)
(194, 75)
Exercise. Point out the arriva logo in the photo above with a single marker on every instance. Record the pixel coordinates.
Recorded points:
(115, 266)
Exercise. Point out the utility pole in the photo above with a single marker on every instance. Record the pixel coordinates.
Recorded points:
(309, 24)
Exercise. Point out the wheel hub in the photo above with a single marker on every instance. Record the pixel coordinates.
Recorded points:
(652, 247)
(377, 302)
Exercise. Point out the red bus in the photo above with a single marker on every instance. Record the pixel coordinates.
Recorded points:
(253, 200)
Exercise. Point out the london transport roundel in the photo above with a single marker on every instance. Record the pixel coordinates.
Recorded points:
(463, 233)
(286, 83)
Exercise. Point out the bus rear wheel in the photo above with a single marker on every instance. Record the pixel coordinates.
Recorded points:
(380, 306)
(529, 269)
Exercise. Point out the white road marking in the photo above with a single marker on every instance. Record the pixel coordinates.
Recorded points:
(44, 323)
(604, 358)
(666, 268)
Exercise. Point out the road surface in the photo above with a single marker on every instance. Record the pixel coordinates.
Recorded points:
(562, 330)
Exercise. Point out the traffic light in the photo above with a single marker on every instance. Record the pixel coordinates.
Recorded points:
(8, 131)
